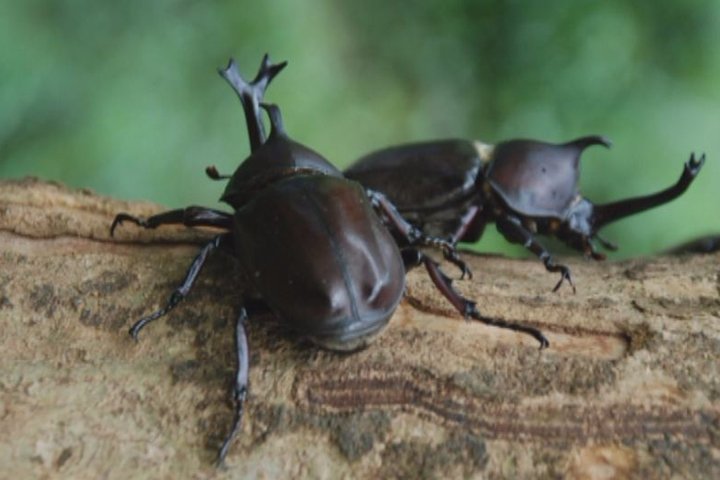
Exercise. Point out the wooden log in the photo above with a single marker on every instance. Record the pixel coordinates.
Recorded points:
(630, 385)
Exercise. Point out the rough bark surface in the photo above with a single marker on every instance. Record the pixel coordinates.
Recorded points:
(630, 386)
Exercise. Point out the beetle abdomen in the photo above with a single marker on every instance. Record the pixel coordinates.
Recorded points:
(420, 175)
(320, 258)
(432, 183)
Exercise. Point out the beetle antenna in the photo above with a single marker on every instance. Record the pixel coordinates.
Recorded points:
(251, 94)
(212, 172)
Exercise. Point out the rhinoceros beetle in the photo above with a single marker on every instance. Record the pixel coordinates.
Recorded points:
(322, 253)
(701, 245)
(454, 188)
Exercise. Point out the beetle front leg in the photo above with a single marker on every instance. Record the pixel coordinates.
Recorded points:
(240, 387)
(514, 232)
(413, 235)
(181, 292)
(190, 217)
(466, 307)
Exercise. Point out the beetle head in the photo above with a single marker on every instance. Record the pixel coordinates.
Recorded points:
(584, 218)
(277, 158)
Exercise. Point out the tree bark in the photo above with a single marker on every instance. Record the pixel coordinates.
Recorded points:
(629, 387)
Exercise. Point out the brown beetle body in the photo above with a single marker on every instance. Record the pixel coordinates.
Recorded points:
(343, 292)
(454, 188)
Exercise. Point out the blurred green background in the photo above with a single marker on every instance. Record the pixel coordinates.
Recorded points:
(124, 98)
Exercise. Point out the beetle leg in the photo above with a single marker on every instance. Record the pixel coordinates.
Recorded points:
(514, 232)
(240, 387)
(466, 221)
(251, 94)
(181, 292)
(190, 217)
(591, 251)
(466, 307)
(413, 235)
(610, 212)
(411, 258)
(607, 244)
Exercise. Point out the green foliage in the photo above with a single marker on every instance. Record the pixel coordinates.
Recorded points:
(122, 96)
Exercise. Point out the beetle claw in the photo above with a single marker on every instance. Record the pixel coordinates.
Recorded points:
(122, 217)
(564, 276)
(239, 399)
(472, 312)
(455, 259)
(452, 256)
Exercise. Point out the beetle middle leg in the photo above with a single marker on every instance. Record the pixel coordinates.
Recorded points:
(413, 235)
(466, 307)
(514, 232)
(181, 292)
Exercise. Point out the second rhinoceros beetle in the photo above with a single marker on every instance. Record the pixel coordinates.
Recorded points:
(454, 188)
(321, 252)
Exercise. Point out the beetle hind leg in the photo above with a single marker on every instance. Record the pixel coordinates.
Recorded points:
(466, 307)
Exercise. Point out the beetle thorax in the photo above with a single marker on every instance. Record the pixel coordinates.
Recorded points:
(279, 157)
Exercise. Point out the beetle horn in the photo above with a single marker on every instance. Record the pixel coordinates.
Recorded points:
(277, 127)
(610, 212)
(584, 142)
(251, 94)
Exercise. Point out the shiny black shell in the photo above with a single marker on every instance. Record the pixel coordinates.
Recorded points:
(316, 253)
(430, 183)
(278, 157)
(435, 173)
(311, 245)
(434, 182)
